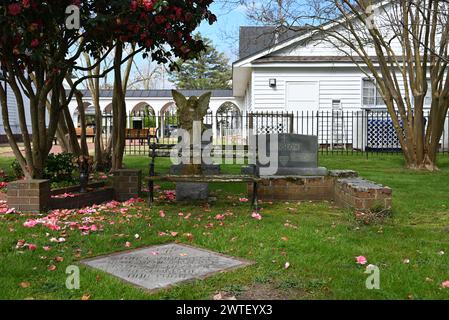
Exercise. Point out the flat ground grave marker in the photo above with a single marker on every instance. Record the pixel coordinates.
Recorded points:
(162, 266)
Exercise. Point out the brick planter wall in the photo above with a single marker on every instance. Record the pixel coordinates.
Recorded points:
(29, 195)
(361, 194)
(295, 188)
(127, 184)
(90, 198)
(342, 186)
(94, 185)
(33, 196)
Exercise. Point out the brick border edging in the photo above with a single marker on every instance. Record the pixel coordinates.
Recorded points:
(344, 187)
(90, 198)
(33, 196)
(127, 184)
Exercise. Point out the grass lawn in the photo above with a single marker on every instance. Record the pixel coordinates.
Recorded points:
(319, 241)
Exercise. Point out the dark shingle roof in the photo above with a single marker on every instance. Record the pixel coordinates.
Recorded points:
(160, 93)
(287, 59)
(253, 39)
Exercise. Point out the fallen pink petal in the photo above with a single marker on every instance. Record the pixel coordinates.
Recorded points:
(361, 260)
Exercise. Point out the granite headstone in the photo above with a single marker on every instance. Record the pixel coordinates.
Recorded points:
(297, 155)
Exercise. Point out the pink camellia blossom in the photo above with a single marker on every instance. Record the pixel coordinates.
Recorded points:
(256, 216)
(361, 260)
(14, 9)
(243, 199)
(30, 223)
(219, 217)
(35, 43)
(128, 244)
(46, 248)
(32, 246)
(445, 284)
(148, 4)
(162, 214)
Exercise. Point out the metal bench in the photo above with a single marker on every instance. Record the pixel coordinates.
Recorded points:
(222, 178)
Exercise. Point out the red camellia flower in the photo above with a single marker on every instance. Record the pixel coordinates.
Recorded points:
(26, 3)
(134, 5)
(148, 5)
(159, 19)
(35, 43)
(14, 9)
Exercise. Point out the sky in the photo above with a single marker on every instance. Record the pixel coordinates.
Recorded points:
(224, 33)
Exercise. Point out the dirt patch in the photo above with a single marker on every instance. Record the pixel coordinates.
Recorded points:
(264, 291)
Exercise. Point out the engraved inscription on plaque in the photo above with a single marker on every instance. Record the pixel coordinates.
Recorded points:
(161, 266)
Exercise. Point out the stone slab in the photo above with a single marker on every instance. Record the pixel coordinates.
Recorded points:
(188, 191)
(361, 184)
(162, 266)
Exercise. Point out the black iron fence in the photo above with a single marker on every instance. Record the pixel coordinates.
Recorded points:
(350, 132)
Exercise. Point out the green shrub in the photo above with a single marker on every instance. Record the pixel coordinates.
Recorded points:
(58, 168)
(17, 170)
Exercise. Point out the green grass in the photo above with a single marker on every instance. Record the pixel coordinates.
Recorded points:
(320, 250)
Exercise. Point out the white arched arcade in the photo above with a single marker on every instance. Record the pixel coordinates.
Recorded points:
(161, 105)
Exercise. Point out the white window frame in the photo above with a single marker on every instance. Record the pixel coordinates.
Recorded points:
(378, 100)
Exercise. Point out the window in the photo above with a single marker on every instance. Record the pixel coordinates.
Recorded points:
(371, 95)
(336, 105)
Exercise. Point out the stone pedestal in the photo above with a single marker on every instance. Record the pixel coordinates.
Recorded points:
(127, 184)
(193, 191)
(29, 196)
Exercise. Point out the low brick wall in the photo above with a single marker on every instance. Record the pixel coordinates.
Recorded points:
(3, 196)
(29, 195)
(71, 189)
(342, 186)
(295, 188)
(33, 196)
(127, 184)
(90, 198)
(361, 194)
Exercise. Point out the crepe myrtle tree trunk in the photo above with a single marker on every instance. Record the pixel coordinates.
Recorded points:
(65, 131)
(119, 105)
(82, 114)
(93, 85)
(119, 112)
(36, 150)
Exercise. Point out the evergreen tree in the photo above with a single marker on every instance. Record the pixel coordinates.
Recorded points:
(210, 70)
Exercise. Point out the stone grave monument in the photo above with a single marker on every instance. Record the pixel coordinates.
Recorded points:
(190, 112)
(297, 155)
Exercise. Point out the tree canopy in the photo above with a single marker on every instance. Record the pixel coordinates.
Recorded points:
(210, 70)
(39, 50)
